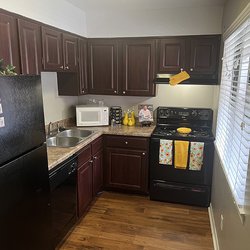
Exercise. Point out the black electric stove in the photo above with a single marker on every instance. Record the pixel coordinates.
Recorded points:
(177, 185)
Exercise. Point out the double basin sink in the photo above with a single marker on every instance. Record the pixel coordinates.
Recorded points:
(68, 138)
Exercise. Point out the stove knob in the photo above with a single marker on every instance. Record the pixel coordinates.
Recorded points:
(161, 112)
(166, 112)
(194, 113)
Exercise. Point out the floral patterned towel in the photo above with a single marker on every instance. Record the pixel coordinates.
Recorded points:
(196, 156)
(165, 152)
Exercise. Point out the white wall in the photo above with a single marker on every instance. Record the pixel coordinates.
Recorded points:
(58, 13)
(161, 22)
(55, 107)
(180, 96)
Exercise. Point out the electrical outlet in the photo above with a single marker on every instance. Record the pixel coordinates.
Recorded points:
(221, 222)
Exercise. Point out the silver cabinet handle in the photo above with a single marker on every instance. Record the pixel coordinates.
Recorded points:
(123, 92)
(83, 91)
(143, 153)
(181, 69)
(90, 161)
(61, 67)
(95, 157)
(67, 67)
(115, 91)
(191, 69)
(126, 142)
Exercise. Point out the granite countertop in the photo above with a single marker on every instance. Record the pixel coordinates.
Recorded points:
(57, 155)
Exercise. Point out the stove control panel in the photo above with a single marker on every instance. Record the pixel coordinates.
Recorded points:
(198, 114)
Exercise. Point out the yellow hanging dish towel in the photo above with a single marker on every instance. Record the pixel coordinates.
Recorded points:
(181, 154)
(173, 80)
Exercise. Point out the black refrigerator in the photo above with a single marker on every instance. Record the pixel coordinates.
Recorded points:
(24, 180)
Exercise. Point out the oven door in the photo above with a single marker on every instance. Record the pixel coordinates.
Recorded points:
(170, 174)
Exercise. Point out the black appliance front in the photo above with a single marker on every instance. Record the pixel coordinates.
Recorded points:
(63, 185)
(171, 184)
(181, 185)
(22, 110)
(25, 215)
(171, 174)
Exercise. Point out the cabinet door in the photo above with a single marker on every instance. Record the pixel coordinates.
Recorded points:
(126, 169)
(103, 66)
(83, 66)
(138, 67)
(84, 187)
(30, 47)
(9, 42)
(171, 57)
(70, 52)
(52, 50)
(97, 172)
(204, 55)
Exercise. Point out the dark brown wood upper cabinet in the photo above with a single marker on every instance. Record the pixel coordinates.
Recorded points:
(70, 52)
(138, 67)
(171, 55)
(103, 66)
(60, 51)
(30, 47)
(52, 50)
(83, 86)
(204, 55)
(198, 55)
(9, 50)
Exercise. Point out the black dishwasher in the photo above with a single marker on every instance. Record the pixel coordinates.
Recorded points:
(63, 186)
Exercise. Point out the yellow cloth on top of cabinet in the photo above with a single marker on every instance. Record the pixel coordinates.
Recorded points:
(173, 80)
(181, 154)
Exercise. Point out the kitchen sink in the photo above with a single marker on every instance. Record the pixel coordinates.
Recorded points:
(75, 133)
(63, 142)
(68, 138)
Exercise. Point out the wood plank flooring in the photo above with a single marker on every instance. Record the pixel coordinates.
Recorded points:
(120, 221)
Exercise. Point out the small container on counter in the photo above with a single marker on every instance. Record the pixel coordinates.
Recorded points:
(116, 115)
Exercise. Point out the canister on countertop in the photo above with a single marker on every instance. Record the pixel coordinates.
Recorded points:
(116, 115)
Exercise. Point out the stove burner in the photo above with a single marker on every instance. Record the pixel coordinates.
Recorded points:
(165, 131)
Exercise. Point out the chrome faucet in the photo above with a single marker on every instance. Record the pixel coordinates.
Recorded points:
(49, 128)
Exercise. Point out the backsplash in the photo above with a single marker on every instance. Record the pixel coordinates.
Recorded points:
(65, 123)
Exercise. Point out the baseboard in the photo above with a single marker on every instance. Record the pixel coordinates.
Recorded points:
(213, 228)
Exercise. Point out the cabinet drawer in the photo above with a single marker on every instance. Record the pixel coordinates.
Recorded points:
(127, 142)
(97, 145)
(84, 155)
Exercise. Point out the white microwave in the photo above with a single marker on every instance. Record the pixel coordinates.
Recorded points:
(92, 115)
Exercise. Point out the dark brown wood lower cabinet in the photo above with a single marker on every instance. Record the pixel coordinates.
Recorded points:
(85, 183)
(90, 174)
(97, 172)
(126, 169)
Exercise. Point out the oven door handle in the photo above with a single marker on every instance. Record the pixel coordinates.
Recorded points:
(163, 185)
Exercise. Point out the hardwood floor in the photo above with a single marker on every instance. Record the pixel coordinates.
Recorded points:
(120, 221)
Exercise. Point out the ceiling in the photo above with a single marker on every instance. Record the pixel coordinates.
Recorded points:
(117, 5)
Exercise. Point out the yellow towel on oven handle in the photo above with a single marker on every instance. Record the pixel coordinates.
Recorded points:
(175, 79)
(181, 154)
